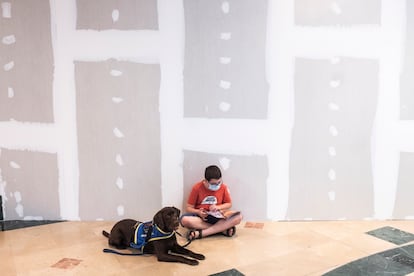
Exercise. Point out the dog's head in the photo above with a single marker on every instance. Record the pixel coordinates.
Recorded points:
(167, 219)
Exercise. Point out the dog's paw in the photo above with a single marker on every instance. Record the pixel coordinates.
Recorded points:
(192, 262)
(199, 256)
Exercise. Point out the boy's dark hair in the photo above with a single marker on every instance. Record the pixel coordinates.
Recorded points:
(212, 172)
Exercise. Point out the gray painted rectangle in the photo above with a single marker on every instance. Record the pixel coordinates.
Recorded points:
(117, 14)
(26, 58)
(224, 64)
(407, 81)
(338, 12)
(32, 187)
(118, 139)
(404, 196)
(330, 162)
(245, 176)
(1, 208)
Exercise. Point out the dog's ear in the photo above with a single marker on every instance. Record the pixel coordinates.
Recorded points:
(159, 219)
(177, 211)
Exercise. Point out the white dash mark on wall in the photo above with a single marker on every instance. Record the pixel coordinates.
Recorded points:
(8, 39)
(120, 210)
(118, 133)
(225, 7)
(332, 151)
(335, 60)
(333, 106)
(115, 15)
(225, 60)
(10, 92)
(225, 36)
(118, 160)
(6, 9)
(8, 66)
(331, 195)
(117, 100)
(119, 183)
(19, 210)
(333, 130)
(336, 8)
(14, 165)
(335, 83)
(225, 163)
(225, 84)
(332, 174)
(17, 196)
(116, 73)
(224, 106)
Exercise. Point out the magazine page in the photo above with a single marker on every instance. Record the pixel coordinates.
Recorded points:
(216, 214)
(224, 214)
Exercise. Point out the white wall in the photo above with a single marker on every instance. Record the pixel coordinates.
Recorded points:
(270, 137)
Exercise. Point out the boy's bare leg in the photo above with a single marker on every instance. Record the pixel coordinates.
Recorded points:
(211, 229)
(194, 223)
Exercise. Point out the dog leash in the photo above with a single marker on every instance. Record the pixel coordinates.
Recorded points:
(188, 240)
(107, 250)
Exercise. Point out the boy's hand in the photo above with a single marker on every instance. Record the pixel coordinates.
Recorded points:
(202, 213)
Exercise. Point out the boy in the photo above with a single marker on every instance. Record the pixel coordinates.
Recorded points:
(209, 195)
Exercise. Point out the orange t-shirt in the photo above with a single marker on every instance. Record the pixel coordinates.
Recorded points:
(201, 197)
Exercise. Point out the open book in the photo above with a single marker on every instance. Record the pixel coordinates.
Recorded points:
(223, 214)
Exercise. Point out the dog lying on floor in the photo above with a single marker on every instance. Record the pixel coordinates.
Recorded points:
(156, 237)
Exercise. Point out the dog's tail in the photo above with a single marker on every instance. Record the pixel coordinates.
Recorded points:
(106, 234)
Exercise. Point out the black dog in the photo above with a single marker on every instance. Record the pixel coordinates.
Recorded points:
(156, 237)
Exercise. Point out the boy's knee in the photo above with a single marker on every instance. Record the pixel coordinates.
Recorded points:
(184, 221)
(238, 219)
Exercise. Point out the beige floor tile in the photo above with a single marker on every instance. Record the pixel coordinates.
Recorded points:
(274, 248)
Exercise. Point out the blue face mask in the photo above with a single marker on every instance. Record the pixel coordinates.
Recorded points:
(215, 186)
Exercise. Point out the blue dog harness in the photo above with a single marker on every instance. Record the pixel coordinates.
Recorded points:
(146, 232)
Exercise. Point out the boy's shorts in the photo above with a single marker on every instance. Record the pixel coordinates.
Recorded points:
(209, 219)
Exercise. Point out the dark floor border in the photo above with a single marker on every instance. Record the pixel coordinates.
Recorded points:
(18, 224)
(230, 272)
(397, 262)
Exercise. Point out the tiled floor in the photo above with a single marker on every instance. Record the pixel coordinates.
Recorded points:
(259, 248)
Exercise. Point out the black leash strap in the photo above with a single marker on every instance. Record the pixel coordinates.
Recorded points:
(107, 250)
(188, 240)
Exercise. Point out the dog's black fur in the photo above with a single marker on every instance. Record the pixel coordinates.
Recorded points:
(122, 234)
